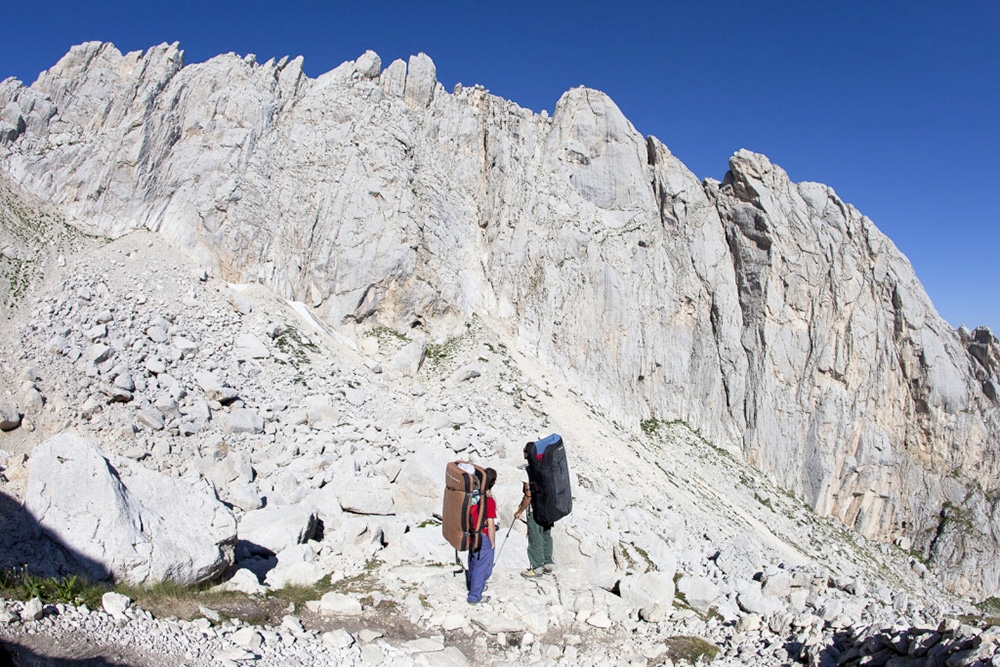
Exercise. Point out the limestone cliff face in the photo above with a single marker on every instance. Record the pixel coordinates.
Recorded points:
(771, 316)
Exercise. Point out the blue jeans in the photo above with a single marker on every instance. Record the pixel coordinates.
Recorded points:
(480, 569)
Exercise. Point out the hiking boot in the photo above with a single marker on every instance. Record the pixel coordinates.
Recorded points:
(482, 600)
(548, 568)
(533, 573)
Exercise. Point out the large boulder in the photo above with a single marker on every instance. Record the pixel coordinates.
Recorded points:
(214, 388)
(427, 545)
(125, 521)
(365, 495)
(409, 359)
(243, 420)
(740, 557)
(326, 505)
(643, 590)
(699, 592)
(297, 566)
(278, 528)
(420, 482)
(320, 410)
(752, 601)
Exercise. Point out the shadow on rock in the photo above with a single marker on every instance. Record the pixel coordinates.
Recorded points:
(23, 542)
(951, 644)
(120, 518)
(13, 654)
(250, 556)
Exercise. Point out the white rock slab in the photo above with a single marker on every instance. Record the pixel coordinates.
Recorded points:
(278, 528)
(420, 482)
(140, 525)
(243, 581)
(642, 590)
(338, 639)
(244, 420)
(409, 360)
(249, 346)
(338, 604)
(365, 495)
(492, 623)
(699, 592)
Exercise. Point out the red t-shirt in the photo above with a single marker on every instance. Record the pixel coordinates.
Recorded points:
(491, 511)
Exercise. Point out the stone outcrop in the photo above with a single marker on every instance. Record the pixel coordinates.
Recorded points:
(128, 522)
(770, 316)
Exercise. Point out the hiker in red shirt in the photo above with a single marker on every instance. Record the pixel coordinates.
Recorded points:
(481, 560)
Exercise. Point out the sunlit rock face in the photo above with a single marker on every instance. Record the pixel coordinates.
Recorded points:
(770, 316)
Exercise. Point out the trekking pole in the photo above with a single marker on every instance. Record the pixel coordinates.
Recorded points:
(496, 556)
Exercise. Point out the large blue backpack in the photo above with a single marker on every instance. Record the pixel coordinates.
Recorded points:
(548, 474)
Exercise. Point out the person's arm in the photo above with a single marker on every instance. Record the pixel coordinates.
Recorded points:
(525, 501)
(491, 530)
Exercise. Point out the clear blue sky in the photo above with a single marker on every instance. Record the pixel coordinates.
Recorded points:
(893, 104)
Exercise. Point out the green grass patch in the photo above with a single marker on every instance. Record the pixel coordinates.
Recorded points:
(650, 565)
(765, 501)
(653, 426)
(690, 649)
(650, 426)
(299, 595)
(168, 599)
(363, 583)
(383, 334)
(19, 584)
(989, 606)
(171, 600)
(679, 598)
(35, 235)
(293, 344)
(438, 353)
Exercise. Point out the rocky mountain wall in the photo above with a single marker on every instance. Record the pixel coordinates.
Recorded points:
(770, 316)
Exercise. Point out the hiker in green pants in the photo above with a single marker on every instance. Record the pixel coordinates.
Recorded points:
(539, 539)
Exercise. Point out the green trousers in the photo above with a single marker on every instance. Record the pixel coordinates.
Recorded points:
(539, 543)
